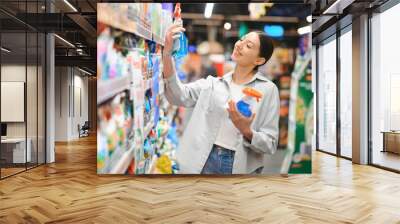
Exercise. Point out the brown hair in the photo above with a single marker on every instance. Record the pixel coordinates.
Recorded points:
(266, 47)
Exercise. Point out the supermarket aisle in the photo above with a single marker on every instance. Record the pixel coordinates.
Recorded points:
(71, 191)
(137, 131)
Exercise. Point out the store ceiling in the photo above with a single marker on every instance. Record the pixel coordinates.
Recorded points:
(79, 28)
(290, 16)
(300, 11)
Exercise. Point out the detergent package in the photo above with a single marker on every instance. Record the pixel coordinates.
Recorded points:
(180, 46)
(246, 105)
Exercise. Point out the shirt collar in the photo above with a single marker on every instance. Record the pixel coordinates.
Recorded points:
(228, 77)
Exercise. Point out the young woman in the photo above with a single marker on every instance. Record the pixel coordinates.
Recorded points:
(218, 139)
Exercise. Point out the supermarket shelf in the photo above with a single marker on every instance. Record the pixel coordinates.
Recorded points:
(161, 88)
(158, 39)
(109, 88)
(113, 17)
(147, 84)
(115, 158)
(148, 128)
(161, 140)
(152, 165)
(123, 163)
(170, 120)
(144, 32)
(156, 54)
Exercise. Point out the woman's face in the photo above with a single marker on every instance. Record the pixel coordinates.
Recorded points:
(246, 50)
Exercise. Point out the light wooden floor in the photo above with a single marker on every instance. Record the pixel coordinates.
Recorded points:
(69, 191)
(9, 171)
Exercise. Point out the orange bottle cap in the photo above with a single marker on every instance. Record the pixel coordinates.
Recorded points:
(177, 11)
(252, 92)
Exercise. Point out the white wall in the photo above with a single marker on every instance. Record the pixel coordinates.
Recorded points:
(80, 94)
(12, 73)
(61, 103)
(34, 125)
(71, 88)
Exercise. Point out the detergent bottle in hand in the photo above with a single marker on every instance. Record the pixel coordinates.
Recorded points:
(177, 21)
(246, 104)
(179, 48)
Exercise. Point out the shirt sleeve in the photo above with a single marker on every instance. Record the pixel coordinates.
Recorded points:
(181, 94)
(265, 136)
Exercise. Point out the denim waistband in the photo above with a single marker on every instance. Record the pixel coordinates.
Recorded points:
(222, 150)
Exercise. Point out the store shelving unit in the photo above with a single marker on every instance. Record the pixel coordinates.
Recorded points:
(149, 126)
(298, 156)
(133, 19)
(158, 39)
(109, 88)
(284, 95)
(147, 84)
(161, 85)
(122, 165)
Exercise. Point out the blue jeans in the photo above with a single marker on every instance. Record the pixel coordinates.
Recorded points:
(220, 161)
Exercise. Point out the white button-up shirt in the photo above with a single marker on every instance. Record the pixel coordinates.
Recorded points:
(208, 97)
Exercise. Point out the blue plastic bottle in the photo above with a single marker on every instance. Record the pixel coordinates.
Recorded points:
(180, 46)
(244, 106)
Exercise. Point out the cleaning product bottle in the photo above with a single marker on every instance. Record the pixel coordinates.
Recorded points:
(177, 21)
(246, 104)
(179, 48)
(164, 165)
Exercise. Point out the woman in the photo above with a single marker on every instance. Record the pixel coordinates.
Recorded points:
(218, 139)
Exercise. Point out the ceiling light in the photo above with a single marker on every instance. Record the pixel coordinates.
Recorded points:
(5, 50)
(70, 5)
(64, 40)
(304, 30)
(227, 26)
(208, 10)
(309, 19)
